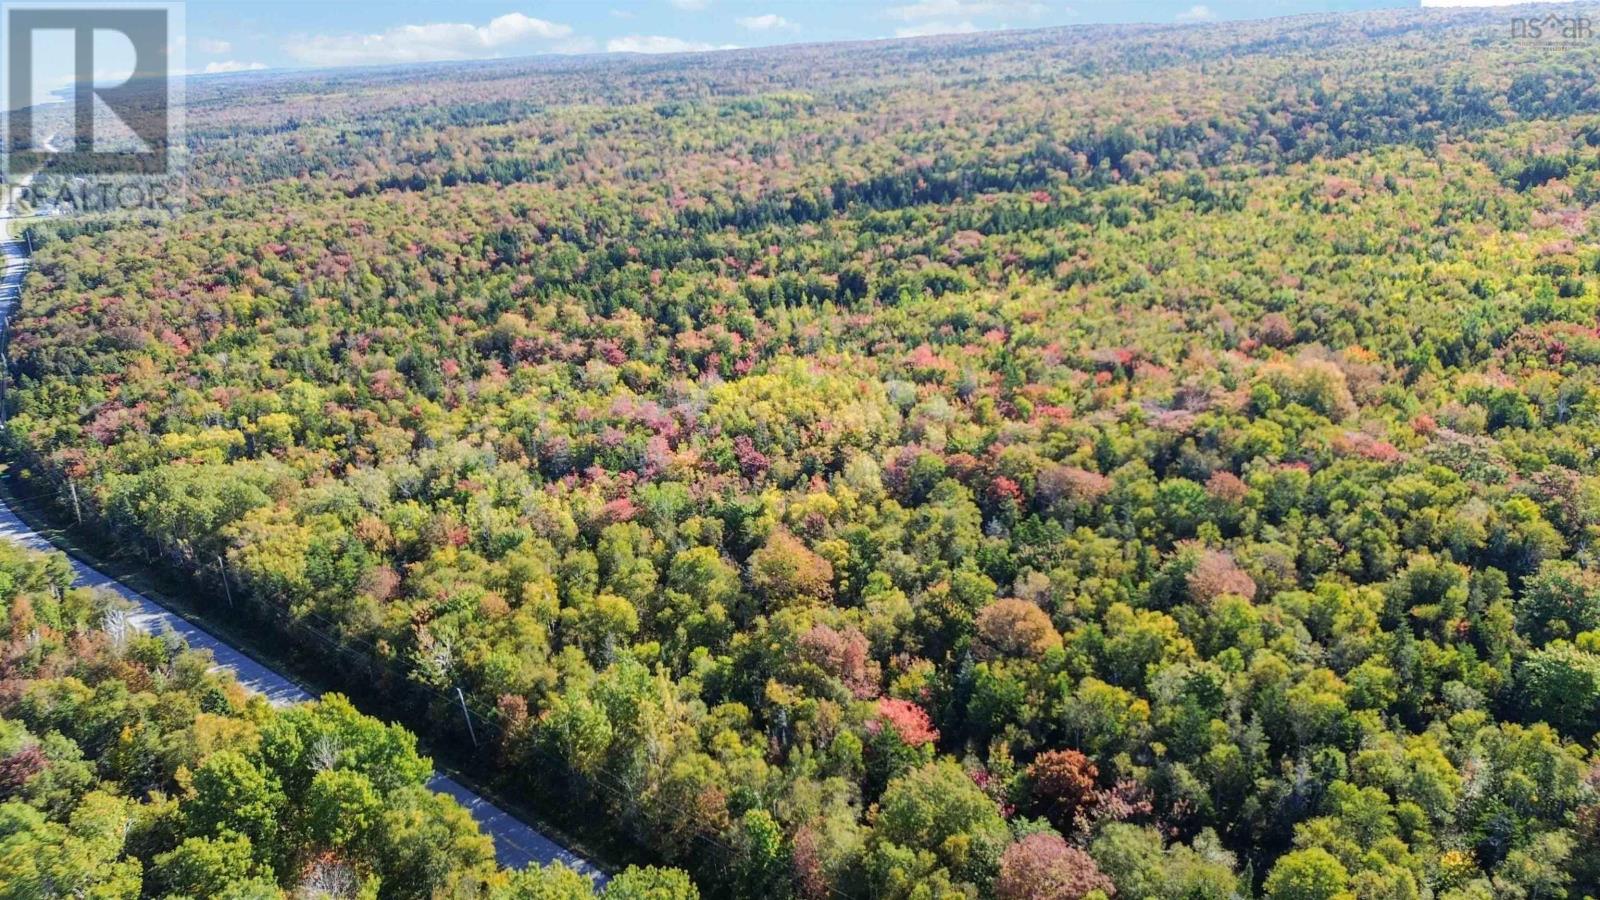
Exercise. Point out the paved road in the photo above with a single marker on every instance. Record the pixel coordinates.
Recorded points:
(516, 843)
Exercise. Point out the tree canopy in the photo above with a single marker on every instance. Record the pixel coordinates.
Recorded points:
(1136, 461)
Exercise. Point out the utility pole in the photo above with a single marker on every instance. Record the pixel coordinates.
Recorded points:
(467, 714)
(72, 486)
(222, 567)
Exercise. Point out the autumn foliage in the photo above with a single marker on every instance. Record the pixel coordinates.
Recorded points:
(1045, 867)
(814, 465)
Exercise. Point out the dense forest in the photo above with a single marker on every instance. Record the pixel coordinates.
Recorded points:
(1140, 462)
(131, 767)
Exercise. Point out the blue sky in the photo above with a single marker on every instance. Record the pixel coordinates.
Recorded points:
(228, 35)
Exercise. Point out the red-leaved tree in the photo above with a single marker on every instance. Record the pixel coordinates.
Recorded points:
(1061, 784)
(1044, 867)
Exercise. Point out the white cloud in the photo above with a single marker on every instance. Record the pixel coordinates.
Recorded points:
(930, 28)
(768, 22)
(964, 10)
(690, 5)
(231, 65)
(213, 46)
(437, 41)
(1197, 13)
(656, 43)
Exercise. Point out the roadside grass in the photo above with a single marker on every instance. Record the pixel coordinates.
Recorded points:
(178, 595)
